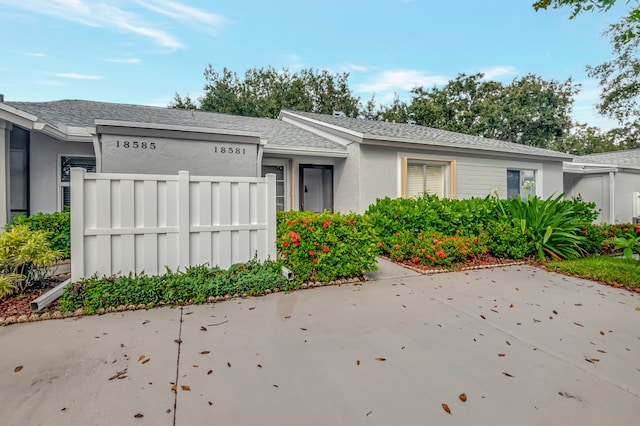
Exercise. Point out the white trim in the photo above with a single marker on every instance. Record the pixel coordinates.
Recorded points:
(313, 152)
(340, 129)
(268, 161)
(188, 129)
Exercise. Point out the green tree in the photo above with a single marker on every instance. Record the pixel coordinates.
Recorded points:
(529, 110)
(264, 92)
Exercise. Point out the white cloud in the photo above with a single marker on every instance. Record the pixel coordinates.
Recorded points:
(186, 14)
(354, 68)
(125, 61)
(498, 71)
(77, 76)
(401, 80)
(99, 14)
(35, 54)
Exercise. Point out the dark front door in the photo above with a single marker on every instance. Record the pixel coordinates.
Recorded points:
(18, 172)
(316, 187)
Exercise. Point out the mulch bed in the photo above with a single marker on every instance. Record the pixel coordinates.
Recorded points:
(16, 306)
(486, 261)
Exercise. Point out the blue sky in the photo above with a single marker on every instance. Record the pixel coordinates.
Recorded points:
(143, 51)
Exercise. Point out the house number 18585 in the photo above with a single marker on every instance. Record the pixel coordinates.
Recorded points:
(135, 144)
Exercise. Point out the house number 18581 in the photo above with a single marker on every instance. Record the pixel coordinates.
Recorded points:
(229, 150)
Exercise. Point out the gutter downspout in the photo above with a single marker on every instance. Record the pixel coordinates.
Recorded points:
(612, 195)
(97, 150)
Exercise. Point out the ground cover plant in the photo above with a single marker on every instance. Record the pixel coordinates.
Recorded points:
(326, 246)
(606, 269)
(194, 285)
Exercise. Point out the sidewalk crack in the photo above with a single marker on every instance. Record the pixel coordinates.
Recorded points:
(175, 396)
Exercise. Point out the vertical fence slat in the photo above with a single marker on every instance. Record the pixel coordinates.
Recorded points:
(77, 224)
(150, 218)
(270, 206)
(127, 242)
(184, 258)
(102, 256)
(204, 219)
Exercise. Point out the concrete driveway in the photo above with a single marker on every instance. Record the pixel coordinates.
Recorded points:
(526, 346)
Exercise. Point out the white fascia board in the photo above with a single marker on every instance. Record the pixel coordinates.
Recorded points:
(72, 134)
(586, 168)
(402, 142)
(188, 129)
(312, 152)
(17, 116)
(322, 124)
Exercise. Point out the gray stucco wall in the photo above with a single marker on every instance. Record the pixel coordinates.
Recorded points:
(592, 187)
(476, 176)
(44, 170)
(625, 184)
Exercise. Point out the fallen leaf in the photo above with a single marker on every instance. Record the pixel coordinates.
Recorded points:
(259, 366)
(145, 322)
(210, 403)
(517, 289)
(555, 312)
(502, 354)
(138, 416)
(578, 324)
(303, 329)
(209, 372)
(357, 362)
(122, 345)
(185, 388)
(251, 308)
(463, 397)
(189, 313)
(404, 306)
(508, 343)
(178, 341)
(63, 409)
(146, 360)
(578, 304)
(174, 387)
(381, 359)
(203, 328)
(17, 369)
(507, 374)
(205, 352)
(601, 351)
(482, 316)
(229, 364)
(287, 317)
(276, 386)
(602, 332)
(122, 377)
(141, 358)
(446, 408)
(511, 305)
(168, 410)
(637, 308)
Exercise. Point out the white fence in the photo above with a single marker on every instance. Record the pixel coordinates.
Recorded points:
(123, 223)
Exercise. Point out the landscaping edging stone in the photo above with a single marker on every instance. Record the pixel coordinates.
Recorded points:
(211, 300)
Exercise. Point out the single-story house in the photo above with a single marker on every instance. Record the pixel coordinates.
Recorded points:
(611, 180)
(321, 161)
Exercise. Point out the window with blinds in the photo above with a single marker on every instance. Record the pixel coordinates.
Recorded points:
(425, 178)
(66, 164)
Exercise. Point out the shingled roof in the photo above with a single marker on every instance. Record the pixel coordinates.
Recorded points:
(629, 158)
(411, 133)
(67, 113)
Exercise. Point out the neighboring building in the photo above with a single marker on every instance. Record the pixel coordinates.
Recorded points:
(320, 161)
(611, 180)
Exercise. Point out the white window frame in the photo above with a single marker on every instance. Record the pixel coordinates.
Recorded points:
(266, 161)
(60, 184)
(448, 174)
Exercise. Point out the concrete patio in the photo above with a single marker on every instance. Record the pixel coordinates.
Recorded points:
(526, 346)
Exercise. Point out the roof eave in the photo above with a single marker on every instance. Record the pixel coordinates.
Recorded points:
(313, 152)
(369, 139)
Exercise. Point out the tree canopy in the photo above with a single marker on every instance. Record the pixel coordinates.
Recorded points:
(529, 110)
(263, 92)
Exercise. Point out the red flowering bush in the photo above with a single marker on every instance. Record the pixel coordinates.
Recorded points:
(599, 237)
(435, 249)
(326, 246)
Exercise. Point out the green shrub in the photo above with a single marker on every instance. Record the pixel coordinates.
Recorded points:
(57, 226)
(553, 226)
(196, 284)
(506, 239)
(24, 257)
(326, 246)
(430, 214)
